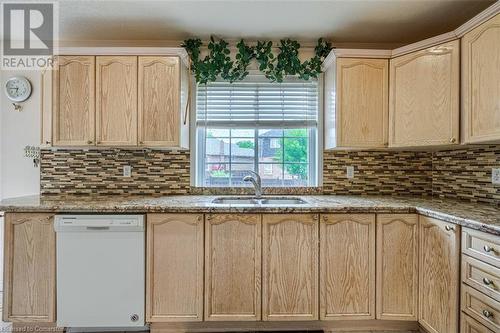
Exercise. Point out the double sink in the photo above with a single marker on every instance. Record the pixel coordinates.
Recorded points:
(259, 201)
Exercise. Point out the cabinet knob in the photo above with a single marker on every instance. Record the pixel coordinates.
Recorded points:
(487, 281)
(449, 228)
(487, 314)
(453, 140)
(488, 249)
(141, 142)
(47, 142)
(89, 142)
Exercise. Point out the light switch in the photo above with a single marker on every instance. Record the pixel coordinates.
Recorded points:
(350, 172)
(127, 171)
(495, 176)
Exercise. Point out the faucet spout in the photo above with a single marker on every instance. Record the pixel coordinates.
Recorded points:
(255, 179)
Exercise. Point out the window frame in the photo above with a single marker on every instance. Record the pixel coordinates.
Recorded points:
(198, 141)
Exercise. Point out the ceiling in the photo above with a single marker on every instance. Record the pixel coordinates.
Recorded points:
(355, 21)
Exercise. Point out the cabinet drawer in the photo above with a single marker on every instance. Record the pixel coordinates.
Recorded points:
(469, 325)
(482, 308)
(481, 246)
(481, 276)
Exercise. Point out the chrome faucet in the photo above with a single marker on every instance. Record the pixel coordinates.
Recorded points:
(254, 178)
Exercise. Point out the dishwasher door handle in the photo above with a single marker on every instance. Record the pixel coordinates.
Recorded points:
(97, 228)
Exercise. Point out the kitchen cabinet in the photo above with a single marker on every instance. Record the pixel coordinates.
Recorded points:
(159, 101)
(469, 325)
(424, 97)
(74, 101)
(347, 266)
(290, 267)
(438, 275)
(116, 100)
(233, 267)
(356, 100)
(174, 267)
(397, 266)
(481, 83)
(29, 268)
(481, 307)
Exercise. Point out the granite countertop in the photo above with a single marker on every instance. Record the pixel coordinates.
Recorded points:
(473, 215)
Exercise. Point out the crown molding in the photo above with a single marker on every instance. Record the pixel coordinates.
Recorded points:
(423, 44)
(122, 50)
(480, 18)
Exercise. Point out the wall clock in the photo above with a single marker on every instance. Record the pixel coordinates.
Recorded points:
(18, 89)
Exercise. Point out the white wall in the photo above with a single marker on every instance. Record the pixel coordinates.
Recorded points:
(18, 176)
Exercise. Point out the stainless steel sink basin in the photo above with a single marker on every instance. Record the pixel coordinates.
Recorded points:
(263, 201)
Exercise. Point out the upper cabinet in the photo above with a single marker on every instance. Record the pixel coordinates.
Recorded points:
(481, 83)
(424, 97)
(356, 97)
(73, 101)
(159, 101)
(116, 101)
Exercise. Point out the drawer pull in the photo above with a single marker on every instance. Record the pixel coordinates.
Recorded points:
(449, 228)
(487, 314)
(487, 282)
(488, 249)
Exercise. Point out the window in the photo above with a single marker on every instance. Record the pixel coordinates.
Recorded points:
(269, 128)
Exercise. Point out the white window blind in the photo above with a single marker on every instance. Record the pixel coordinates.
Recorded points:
(258, 104)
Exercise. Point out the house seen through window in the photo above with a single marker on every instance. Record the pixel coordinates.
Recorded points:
(257, 125)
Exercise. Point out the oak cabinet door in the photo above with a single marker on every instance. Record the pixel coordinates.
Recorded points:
(439, 275)
(29, 268)
(159, 101)
(397, 266)
(362, 102)
(233, 267)
(290, 267)
(347, 267)
(174, 267)
(481, 82)
(116, 104)
(73, 120)
(424, 97)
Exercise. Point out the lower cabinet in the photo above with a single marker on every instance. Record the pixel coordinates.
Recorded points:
(290, 267)
(174, 267)
(469, 325)
(233, 267)
(439, 275)
(347, 266)
(397, 266)
(29, 268)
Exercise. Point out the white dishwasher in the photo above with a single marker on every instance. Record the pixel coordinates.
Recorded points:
(100, 270)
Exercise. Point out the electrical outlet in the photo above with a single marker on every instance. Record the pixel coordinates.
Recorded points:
(127, 171)
(350, 172)
(495, 176)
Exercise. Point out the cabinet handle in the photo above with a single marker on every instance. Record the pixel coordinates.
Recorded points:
(47, 142)
(488, 249)
(449, 228)
(487, 282)
(453, 140)
(90, 142)
(487, 314)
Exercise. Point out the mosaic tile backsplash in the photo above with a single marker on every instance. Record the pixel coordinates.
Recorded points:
(378, 172)
(466, 174)
(95, 171)
(463, 173)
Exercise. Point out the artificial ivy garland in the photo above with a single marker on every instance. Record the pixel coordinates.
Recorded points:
(275, 68)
